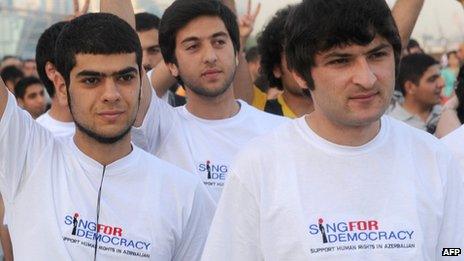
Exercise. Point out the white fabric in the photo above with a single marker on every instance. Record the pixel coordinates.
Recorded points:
(398, 197)
(177, 136)
(150, 210)
(58, 128)
(455, 142)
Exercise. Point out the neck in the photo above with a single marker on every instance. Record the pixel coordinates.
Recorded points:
(102, 153)
(212, 108)
(415, 108)
(59, 113)
(299, 104)
(341, 134)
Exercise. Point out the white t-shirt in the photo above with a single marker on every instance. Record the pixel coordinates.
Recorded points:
(204, 147)
(58, 128)
(455, 142)
(149, 209)
(293, 195)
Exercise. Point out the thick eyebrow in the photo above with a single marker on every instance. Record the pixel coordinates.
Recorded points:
(194, 38)
(89, 73)
(379, 48)
(336, 54)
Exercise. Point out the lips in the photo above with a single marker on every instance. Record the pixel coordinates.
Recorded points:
(110, 116)
(211, 72)
(364, 96)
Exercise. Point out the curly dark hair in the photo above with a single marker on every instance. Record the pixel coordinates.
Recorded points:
(271, 45)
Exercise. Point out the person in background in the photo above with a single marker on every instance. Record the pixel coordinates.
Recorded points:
(452, 116)
(9, 60)
(413, 47)
(30, 68)
(58, 118)
(11, 75)
(421, 84)
(449, 74)
(30, 93)
(292, 101)
(147, 26)
(253, 59)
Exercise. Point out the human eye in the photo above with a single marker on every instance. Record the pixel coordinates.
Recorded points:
(126, 77)
(90, 81)
(219, 42)
(191, 47)
(339, 61)
(153, 50)
(378, 55)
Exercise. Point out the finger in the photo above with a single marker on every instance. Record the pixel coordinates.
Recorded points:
(249, 7)
(76, 6)
(85, 8)
(258, 9)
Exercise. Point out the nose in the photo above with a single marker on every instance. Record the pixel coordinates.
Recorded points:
(111, 91)
(363, 75)
(209, 54)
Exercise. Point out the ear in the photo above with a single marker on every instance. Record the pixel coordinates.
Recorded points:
(50, 70)
(410, 88)
(61, 91)
(277, 71)
(173, 69)
(300, 80)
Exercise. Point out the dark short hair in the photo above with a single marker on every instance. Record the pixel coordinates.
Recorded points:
(412, 67)
(315, 26)
(448, 54)
(271, 46)
(45, 52)
(146, 21)
(95, 33)
(6, 57)
(181, 12)
(23, 84)
(252, 54)
(11, 73)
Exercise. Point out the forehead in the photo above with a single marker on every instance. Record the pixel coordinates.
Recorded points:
(36, 87)
(201, 27)
(356, 48)
(104, 63)
(149, 35)
(432, 70)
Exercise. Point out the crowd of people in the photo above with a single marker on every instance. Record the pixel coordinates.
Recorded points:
(135, 137)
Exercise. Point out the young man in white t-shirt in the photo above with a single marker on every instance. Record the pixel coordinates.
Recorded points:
(95, 195)
(200, 43)
(344, 182)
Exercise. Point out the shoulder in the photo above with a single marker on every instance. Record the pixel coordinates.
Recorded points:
(422, 142)
(455, 141)
(162, 171)
(262, 117)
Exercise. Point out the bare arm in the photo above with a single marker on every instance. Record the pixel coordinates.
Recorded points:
(124, 10)
(405, 13)
(3, 97)
(243, 84)
(161, 79)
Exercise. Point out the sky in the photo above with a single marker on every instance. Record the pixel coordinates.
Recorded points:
(441, 21)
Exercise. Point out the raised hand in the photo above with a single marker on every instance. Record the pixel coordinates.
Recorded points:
(247, 21)
(77, 11)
